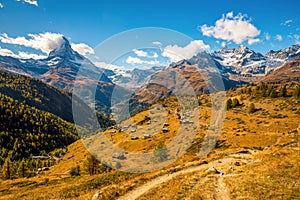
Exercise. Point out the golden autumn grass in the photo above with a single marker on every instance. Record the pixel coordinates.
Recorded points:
(271, 132)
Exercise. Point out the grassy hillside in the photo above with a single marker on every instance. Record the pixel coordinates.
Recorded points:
(26, 130)
(257, 153)
(35, 93)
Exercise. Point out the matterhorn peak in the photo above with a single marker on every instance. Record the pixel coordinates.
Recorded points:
(64, 51)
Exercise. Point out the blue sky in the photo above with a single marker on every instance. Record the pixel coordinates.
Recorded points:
(270, 24)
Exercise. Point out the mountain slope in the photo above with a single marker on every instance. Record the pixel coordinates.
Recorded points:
(60, 69)
(200, 73)
(243, 61)
(257, 156)
(288, 72)
(26, 130)
(35, 93)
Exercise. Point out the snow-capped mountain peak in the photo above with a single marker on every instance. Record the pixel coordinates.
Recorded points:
(65, 51)
(285, 54)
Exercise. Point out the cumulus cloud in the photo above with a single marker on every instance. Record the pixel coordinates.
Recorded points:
(45, 42)
(278, 37)
(231, 28)
(1, 5)
(155, 55)
(140, 53)
(177, 53)
(82, 48)
(25, 55)
(21, 54)
(287, 22)
(253, 41)
(31, 2)
(6, 52)
(133, 60)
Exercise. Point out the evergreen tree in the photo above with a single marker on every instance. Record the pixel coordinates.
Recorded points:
(283, 91)
(75, 171)
(273, 94)
(7, 169)
(161, 154)
(22, 169)
(235, 102)
(229, 104)
(251, 108)
(91, 165)
(296, 92)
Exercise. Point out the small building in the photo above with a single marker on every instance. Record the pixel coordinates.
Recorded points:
(166, 124)
(120, 156)
(165, 130)
(134, 138)
(186, 122)
(41, 157)
(146, 136)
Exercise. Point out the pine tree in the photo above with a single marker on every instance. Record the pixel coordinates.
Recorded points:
(22, 169)
(251, 108)
(296, 93)
(235, 102)
(161, 154)
(7, 168)
(229, 104)
(283, 91)
(91, 164)
(273, 94)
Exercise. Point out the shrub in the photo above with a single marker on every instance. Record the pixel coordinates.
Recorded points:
(251, 108)
(75, 171)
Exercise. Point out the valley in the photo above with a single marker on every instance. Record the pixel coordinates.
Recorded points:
(156, 137)
(255, 147)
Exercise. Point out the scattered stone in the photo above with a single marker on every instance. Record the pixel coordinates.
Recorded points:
(119, 156)
(267, 147)
(203, 162)
(212, 170)
(134, 138)
(146, 136)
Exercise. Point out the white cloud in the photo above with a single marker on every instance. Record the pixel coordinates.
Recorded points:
(21, 54)
(157, 43)
(155, 55)
(1, 5)
(140, 53)
(82, 48)
(108, 66)
(253, 41)
(296, 37)
(6, 52)
(278, 37)
(32, 2)
(177, 53)
(45, 42)
(223, 44)
(133, 60)
(231, 28)
(25, 55)
(287, 22)
(267, 36)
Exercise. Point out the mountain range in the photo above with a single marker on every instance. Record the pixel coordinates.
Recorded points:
(236, 66)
